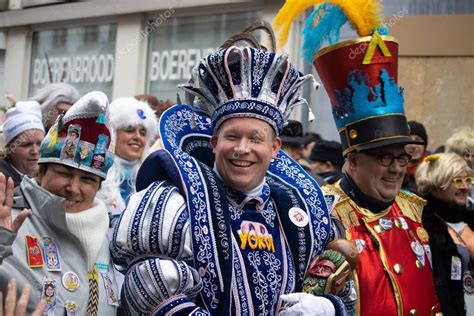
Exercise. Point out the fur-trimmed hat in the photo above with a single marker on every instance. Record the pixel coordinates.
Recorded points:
(81, 138)
(125, 112)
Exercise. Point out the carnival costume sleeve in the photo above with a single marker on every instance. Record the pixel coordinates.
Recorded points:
(152, 247)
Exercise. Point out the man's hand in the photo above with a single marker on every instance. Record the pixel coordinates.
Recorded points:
(14, 308)
(307, 304)
(6, 202)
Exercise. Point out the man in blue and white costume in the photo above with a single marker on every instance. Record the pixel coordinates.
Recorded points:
(225, 223)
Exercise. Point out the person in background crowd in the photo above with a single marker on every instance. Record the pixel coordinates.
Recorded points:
(221, 184)
(417, 151)
(462, 143)
(444, 181)
(55, 99)
(327, 160)
(293, 140)
(23, 132)
(394, 275)
(61, 249)
(311, 140)
(134, 125)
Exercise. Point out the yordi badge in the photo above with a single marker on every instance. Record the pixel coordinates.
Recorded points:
(34, 253)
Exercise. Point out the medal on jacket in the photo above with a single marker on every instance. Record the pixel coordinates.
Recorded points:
(112, 298)
(456, 268)
(51, 254)
(386, 223)
(70, 281)
(419, 251)
(50, 295)
(71, 308)
(34, 253)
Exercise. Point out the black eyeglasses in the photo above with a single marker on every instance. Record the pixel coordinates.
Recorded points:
(388, 159)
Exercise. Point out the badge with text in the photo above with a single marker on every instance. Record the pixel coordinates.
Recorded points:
(456, 268)
(34, 254)
(51, 254)
(71, 308)
(419, 251)
(50, 295)
(112, 298)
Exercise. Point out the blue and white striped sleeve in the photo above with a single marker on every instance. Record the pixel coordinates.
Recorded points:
(152, 246)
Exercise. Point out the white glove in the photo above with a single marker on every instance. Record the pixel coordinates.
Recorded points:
(307, 304)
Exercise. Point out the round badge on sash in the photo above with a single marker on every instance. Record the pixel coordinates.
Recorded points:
(70, 281)
(298, 217)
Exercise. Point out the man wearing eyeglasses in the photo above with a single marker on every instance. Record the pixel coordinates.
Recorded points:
(394, 276)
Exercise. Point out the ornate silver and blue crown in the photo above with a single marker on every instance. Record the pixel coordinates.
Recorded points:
(246, 82)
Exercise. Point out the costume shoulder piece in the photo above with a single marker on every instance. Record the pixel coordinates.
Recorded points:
(340, 205)
(411, 205)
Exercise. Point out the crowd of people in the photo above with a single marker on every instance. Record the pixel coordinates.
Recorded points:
(224, 206)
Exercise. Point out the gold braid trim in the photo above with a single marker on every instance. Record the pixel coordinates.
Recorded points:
(343, 210)
(411, 205)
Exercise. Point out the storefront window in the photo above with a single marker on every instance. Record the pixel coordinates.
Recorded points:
(82, 56)
(178, 44)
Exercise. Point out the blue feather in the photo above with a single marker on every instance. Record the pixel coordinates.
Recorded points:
(331, 19)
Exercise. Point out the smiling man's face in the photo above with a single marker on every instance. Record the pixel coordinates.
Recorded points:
(373, 179)
(244, 148)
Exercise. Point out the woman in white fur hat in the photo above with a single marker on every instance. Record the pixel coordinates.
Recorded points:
(134, 127)
(23, 132)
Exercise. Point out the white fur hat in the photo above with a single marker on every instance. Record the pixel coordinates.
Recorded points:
(125, 112)
(26, 115)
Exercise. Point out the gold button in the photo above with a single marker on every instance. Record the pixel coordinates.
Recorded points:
(418, 264)
(353, 134)
(378, 229)
(398, 268)
(413, 312)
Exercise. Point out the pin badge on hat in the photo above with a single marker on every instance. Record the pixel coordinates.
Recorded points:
(70, 281)
(298, 217)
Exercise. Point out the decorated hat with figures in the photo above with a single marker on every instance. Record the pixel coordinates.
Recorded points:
(360, 74)
(246, 82)
(82, 137)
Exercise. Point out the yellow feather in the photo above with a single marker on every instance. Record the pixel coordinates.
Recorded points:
(364, 15)
(286, 16)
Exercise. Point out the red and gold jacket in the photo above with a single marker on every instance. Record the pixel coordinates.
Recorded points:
(394, 275)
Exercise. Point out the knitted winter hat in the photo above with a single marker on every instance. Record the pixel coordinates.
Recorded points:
(81, 138)
(125, 112)
(26, 115)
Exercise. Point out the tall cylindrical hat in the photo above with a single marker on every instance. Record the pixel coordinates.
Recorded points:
(359, 75)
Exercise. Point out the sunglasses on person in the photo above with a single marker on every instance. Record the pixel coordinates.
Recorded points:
(460, 183)
(387, 159)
